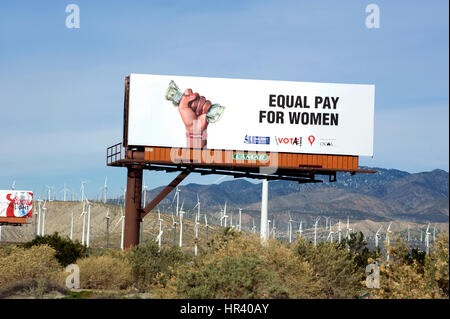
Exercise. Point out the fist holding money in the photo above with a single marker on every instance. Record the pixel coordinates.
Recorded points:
(193, 109)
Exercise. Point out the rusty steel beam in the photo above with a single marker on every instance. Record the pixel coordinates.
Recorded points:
(164, 193)
(133, 206)
(13, 221)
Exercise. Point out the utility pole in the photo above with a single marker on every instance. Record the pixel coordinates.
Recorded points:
(264, 212)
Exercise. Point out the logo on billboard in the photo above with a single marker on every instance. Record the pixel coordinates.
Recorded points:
(250, 157)
(297, 141)
(16, 203)
(311, 139)
(257, 140)
(327, 142)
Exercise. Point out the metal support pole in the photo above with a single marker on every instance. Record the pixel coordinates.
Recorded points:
(264, 200)
(133, 206)
(107, 231)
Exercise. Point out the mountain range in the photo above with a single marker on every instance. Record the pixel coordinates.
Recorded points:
(388, 194)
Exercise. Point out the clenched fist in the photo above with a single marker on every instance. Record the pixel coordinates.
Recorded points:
(193, 109)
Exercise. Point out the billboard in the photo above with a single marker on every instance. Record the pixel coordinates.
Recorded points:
(250, 115)
(16, 203)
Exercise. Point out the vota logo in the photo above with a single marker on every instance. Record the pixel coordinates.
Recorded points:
(296, 141)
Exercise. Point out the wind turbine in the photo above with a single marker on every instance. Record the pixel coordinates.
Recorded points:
(315, 231)
(13, 186)
(427, 239)
(290, 228)
(107, 227)
(221, 216)
(105, 190)
(253, 227)
(225, 216)
(38, 231)
(240, 219)
(43, 220)
(82, 190)
(88, 235)
(49, 193)
(339, 231)
(377, 235)
(300, 230)
(326, 222)
(330, 234)
(71, 228)
(177, 195)
(83, 214)
(197, 219)
(121, 219)
(159, 237)
(348, 229)
(64, 190)
(206, 226)
(388, 231)
(144, 190)
(196, 233)
(174, 226)
(181, 213)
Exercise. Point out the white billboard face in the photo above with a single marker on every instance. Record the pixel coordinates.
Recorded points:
(251, 115)
(16, 203)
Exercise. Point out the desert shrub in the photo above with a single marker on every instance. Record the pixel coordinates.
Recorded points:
(32, 287)
(37, 262)
(5, 250)
(229, 277)
(104, 272)
(357, 247)
(418, 256)
(239, 266)
(67, 251)
(401, 279)
(150, 266)
(334, 269)
(436, 271)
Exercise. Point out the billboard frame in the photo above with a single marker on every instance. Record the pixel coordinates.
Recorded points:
(299, 167)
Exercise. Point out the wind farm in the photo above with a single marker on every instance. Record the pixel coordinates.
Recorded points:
(100, 223)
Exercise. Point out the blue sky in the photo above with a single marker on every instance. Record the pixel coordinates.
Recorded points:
(62, 89)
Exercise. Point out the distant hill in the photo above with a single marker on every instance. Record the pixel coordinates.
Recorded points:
(386, 195)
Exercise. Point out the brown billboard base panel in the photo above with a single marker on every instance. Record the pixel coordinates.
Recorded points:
(238, 158)
(12, 221)
(243, 161)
